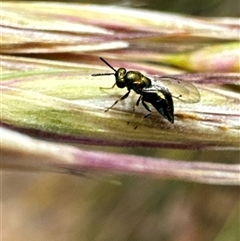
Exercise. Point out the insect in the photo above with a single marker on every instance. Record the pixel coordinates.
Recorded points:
(157, 91)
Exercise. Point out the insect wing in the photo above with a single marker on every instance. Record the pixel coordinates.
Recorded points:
(180, 89)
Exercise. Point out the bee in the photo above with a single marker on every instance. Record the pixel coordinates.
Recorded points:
(158, 91)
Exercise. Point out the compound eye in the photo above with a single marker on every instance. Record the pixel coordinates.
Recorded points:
(121, 74)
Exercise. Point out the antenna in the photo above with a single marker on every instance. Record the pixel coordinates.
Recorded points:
(105, 62)
(102, 74)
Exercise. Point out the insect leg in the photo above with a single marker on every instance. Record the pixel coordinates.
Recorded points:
(147, 115)
(107, 88)
(146, 106)
(134, 108)
(137, 103)
(122, 98)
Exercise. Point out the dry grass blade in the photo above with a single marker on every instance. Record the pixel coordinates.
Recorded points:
(41, 156)
(50, 93)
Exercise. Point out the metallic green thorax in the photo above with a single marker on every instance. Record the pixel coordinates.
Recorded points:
(133, 80)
